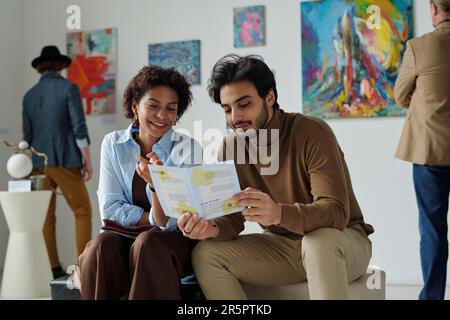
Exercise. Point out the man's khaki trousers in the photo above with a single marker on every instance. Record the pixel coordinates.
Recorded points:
(329, 259)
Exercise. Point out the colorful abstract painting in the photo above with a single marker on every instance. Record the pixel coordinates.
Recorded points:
(350, 64)
(184, 56)
(93, 68)
(249, 26)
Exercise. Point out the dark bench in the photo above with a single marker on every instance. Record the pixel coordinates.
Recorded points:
(63, 289)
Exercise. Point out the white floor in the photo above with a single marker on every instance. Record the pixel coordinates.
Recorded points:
(393, 292)
(407, 292)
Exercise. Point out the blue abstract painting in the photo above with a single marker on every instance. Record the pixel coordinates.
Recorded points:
(184, 56)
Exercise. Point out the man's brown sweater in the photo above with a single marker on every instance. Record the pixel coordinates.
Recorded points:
(312, 184)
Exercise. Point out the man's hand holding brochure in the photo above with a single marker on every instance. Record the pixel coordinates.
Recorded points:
(205, 191)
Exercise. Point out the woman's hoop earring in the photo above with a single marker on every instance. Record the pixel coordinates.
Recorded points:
(135, 121)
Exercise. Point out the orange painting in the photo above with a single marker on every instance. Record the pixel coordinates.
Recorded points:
(93, 68)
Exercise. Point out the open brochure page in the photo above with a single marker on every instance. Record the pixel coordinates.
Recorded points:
(173, 190)
(205, 190)
(214, 185)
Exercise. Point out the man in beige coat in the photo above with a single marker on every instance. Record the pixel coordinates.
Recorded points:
(423, 87)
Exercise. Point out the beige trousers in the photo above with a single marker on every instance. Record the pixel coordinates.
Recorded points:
(329, 259)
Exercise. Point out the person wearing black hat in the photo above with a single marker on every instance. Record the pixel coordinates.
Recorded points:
(54, 123)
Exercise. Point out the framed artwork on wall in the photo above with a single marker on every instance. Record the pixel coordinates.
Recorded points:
(184, 56)
(351, 59)
(94, 68)
(249, 24)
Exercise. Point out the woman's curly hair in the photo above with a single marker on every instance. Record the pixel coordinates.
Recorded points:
(152, 76)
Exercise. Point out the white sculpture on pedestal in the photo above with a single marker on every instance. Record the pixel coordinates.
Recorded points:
(27, 272)
(20, 165)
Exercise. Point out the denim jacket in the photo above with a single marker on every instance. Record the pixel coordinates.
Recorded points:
(54, 122)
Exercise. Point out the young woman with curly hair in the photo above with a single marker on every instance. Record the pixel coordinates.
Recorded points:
(151, 265)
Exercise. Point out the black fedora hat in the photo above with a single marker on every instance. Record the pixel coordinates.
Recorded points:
(51, 53)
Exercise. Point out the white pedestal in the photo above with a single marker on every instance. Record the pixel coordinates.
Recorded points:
(27, 272)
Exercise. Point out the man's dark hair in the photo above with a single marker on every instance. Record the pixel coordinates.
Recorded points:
(50, 65)
(152, 76)
(233, 68)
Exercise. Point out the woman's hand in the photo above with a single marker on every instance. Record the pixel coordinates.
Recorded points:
(142, 170)
(197, 228)
(142, 166)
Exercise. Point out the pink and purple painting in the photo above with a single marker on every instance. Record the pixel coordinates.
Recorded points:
(249, 26)
(349, 65)
(93, 68)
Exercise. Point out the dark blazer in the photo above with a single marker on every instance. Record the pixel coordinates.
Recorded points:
(53, 121)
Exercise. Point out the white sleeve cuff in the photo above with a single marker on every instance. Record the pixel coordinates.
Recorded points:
(150, 217)
(171, 224)
(82, 143)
